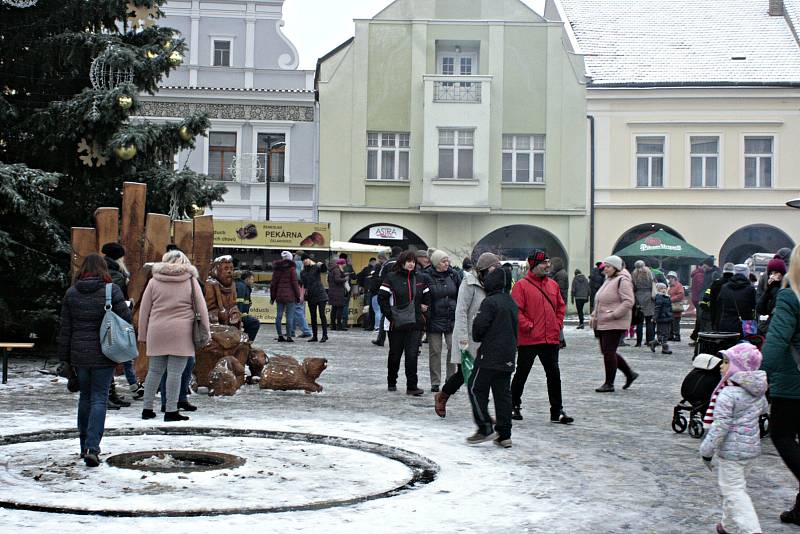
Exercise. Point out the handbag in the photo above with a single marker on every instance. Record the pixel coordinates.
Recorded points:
(405, 315)
(117, 336)
(749, 326)
(677, 307)
(200, 335)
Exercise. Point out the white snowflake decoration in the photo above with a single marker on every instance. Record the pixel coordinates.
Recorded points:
(92, 154)
(20, 3)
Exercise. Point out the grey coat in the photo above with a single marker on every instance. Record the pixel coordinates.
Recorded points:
(735, 434)
(470, 296)
(643, 291)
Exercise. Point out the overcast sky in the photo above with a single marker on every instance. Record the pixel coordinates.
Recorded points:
(318, 26)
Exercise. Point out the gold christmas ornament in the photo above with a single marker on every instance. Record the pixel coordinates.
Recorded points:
(168, 44)
(197, 211)
(175, 58)
(125, 152)
(124, 101)
(150, 54)
(184, 133)
(141, 16)
(92, 158)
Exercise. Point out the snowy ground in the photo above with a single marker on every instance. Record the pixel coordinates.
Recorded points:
(619, 468)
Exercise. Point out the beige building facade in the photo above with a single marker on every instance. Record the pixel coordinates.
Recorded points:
(694, 121)
(455, 125)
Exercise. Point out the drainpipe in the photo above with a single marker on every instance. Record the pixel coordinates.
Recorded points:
(315, 196)
(591, 191)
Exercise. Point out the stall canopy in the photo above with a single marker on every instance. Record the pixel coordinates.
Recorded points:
(662, 245)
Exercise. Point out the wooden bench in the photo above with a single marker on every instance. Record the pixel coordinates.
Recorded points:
(6, 349)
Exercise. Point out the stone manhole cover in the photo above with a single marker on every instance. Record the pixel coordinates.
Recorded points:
(270, 472)
(175, 461)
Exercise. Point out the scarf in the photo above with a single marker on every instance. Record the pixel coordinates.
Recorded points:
(709, 417)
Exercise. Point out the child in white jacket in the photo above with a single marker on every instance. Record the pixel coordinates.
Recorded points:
(734, 435)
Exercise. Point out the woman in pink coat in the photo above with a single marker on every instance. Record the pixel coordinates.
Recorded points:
(610, 319)
(166, 317)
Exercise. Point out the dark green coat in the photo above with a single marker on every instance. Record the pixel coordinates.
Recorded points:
(778, 362)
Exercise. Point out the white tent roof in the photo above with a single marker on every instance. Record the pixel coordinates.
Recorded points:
(345, 246)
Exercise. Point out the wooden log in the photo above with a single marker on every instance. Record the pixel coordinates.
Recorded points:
(182, 237)
(156, 236)
(203, 244)
(84, 242)
(106, 222)
(133, 206)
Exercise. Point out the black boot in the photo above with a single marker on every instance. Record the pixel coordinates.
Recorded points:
(665, 349)
(289, 339)
(187, 406)
(148, 414)
(313, 339)
(175, 416)
(113, 398)
(516, 413)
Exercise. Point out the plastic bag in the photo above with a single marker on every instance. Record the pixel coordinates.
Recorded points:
(467, 364)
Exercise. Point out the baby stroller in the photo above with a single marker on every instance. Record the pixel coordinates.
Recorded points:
(696, 391)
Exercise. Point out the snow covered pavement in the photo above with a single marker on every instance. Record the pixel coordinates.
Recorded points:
(619, 468)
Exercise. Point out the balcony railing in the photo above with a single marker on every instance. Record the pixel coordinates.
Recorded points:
(457, 89)
(252, 168)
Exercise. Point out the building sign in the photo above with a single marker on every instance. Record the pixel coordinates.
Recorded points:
(654, 243)
(386, 232)
(271, 234)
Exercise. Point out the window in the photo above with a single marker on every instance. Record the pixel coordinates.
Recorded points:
(758, 152)
(222, 53)
(387, 155)
(221, 150)
(455, 154)
(650, 161)
(523, 159)
(704, 162)
(271, 150)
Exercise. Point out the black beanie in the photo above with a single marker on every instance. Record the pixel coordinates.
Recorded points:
(113, 250)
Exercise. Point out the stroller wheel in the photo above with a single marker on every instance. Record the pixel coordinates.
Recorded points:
(679, 424)
(696, 429)
(763, 425)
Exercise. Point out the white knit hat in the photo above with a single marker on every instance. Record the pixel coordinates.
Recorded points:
(286, 255)
(437, 256)
(614, 261)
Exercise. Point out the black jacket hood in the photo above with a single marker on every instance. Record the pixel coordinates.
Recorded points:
(89, 285)
(495, 281)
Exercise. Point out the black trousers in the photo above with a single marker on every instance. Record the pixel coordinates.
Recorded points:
(649, 329)
(784, 429)
(481, 381)
(250, 325)
(403, 342)
(676, 329)
(337, 318)
(548, 355)
(579, 304)
(314, 308)
(454, 382)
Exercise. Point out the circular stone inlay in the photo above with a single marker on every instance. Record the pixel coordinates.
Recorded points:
(175, 461)
(278, 472)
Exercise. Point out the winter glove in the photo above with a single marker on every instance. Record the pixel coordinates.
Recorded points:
(707, 462)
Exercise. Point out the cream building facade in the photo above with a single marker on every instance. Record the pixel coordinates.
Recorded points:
(458, 125)
(694, 121)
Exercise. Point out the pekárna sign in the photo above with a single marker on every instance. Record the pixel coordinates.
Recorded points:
(386, 232)
(271, 234)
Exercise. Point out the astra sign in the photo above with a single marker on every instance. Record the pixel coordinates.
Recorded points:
(386, 232)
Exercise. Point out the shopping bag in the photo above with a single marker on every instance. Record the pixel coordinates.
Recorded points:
(467, 364)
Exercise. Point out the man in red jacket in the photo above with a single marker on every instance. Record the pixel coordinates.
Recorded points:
(541, 317)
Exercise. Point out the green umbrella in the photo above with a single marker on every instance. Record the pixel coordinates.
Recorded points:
(661, 245)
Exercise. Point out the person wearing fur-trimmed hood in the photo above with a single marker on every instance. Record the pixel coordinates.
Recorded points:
(734, 434)
(166, 317)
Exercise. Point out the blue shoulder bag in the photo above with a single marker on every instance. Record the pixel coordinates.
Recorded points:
(117, 336)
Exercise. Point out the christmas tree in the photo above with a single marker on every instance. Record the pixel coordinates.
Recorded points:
(70, 73)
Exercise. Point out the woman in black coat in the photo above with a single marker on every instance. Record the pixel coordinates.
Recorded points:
(338, 295)
(315, 295)
(736, 301)
(401, 292)
(79, 345)
(443, 282)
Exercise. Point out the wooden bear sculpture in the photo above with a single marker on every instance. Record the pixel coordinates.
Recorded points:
(285, 373)
(256, 362)
(226, 377)
(225, 341)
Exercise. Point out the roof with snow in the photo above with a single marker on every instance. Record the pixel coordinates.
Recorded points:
(662, 43)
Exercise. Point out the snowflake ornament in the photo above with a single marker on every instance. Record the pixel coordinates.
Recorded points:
(93, 157)
(141, 16)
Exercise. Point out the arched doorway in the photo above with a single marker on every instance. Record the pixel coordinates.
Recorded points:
(641, 231)
(390, 235)
(752, 239)
(515, 242)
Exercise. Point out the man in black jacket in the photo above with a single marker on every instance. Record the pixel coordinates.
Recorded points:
(596, 280)
(495, 327)
(384, 272)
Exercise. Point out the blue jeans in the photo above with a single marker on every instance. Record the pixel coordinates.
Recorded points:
(186, 380)
(378, 315)
(300, 320)
(288, 307)
(130, 375)
(92, 403)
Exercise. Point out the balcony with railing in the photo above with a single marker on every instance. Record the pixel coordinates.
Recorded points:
(456, 89)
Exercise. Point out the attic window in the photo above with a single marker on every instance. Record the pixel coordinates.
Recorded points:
(739, 57)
